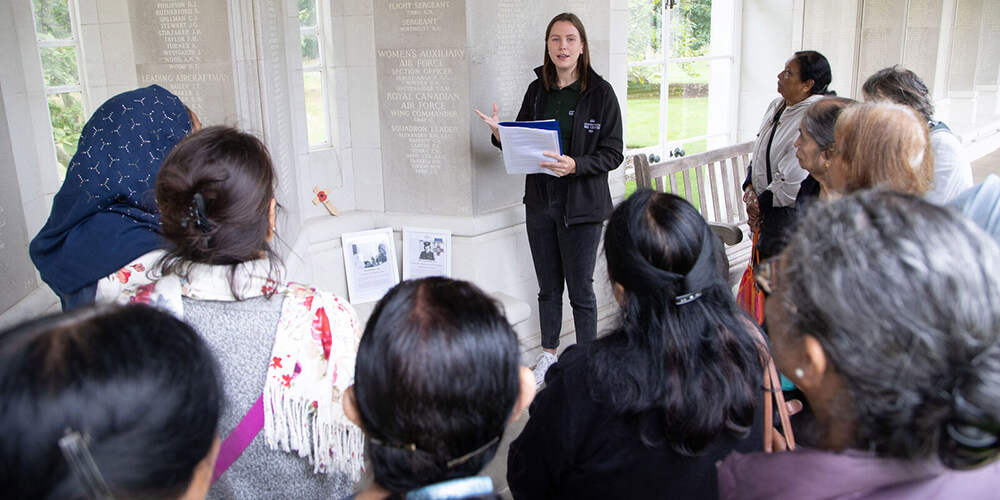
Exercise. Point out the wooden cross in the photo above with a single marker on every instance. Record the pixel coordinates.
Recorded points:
(322, 197)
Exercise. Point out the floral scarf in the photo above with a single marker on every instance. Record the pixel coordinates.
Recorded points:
(311, 365)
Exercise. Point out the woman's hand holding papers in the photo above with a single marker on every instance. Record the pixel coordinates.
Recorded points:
(564, 165)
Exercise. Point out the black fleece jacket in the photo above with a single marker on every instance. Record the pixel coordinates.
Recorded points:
(597, 148)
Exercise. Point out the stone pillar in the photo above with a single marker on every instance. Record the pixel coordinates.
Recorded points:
(988, 70)
(923, 51)
(15, 266)
(882, 36)
(830, 28)
(964, 55)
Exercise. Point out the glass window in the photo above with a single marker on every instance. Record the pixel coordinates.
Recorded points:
(58, 51)
(314, 76)
(680, 86)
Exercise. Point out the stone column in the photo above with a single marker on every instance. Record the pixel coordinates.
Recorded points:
(15, 266)
(988, 70)
(964, 55)
(923, 52)
(883, 32)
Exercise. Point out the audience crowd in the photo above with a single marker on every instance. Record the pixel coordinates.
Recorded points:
(200, 372)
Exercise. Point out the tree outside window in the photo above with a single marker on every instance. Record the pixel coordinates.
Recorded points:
(314, 72)
(673, 65)
(57, 48)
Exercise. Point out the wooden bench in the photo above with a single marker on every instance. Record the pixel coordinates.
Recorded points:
(712, 181)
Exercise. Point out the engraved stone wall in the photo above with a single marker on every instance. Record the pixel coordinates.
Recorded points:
(15, 266)
(882, 29)
(830, 28)
(988, 71)
(423, 80)
(504, 54)
(923, 33)
(965, 45)
(184, 46)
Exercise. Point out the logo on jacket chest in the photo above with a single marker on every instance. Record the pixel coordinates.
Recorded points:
(591, 126)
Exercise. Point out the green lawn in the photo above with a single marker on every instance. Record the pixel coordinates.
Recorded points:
(688, 118)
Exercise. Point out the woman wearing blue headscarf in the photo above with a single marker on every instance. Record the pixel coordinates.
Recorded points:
(105, 214)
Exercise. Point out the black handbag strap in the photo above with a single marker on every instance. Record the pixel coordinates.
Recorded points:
(774, 129)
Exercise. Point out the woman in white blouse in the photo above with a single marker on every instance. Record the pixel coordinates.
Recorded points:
(773, 181)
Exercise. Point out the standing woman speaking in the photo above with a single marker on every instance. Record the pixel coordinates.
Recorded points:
(564, 212)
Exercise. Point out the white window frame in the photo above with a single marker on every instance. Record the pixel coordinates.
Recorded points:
(72, 41)
(718, 138)
(322, 31)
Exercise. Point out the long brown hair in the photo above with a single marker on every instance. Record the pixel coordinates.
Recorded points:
(550, 78)
(214, 191)
(883, 144)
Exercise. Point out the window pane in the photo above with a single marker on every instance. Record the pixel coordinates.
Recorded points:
(315, 107)
(691, 28)
(59, 66)
(52, 19)
(643, 106)
(645, 40)
(66, 113)
(310, 50)
(307, 13)
(688, 104)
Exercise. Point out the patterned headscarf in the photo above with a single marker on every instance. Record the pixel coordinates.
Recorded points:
(105, 213)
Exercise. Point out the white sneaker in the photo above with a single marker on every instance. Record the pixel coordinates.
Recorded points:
(542, 364)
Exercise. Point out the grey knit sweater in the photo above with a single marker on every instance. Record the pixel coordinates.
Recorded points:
(241, 335)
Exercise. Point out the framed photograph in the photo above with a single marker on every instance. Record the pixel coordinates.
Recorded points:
(426, 252)
(370, 259)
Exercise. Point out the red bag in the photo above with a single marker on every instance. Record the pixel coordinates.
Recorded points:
(749, 296)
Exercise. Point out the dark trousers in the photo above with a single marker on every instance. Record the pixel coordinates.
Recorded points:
(563, 253)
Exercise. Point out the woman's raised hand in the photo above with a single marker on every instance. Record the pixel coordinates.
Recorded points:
(492, 121)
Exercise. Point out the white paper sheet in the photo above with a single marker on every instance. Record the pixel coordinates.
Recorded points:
(523, 148)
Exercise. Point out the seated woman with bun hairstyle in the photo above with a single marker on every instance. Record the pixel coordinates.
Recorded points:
(438, 379)
(883, 311)
(107, 403)
(286, 352)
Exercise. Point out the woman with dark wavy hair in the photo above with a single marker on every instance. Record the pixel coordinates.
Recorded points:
(647, 410)
(107, 403)
(438, 379)
(895, 342)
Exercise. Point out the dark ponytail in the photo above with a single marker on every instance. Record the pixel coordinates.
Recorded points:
(683, 347)
(814, 66)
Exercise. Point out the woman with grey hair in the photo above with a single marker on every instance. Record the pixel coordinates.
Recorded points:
(882, 310)
(952, 171)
